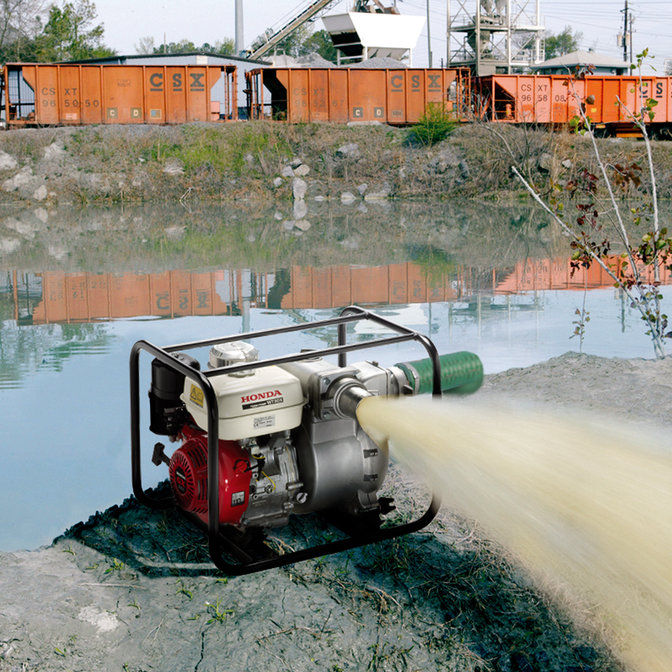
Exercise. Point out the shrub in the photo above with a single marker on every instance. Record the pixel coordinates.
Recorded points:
(435, 125)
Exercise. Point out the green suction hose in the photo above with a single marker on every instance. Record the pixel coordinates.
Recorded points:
(461, 372)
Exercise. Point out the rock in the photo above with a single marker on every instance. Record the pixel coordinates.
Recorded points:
(299, 188)
(173, 167)
(302, 170)
(23, 178)
(277, 182)
(545, 162)
(176, 232)
(319, 198)
(443, 161)
(40, 193)
(372, 122)
(300, 209)
(7, 161)
(9, 245)
(380, 194)
(349, 151)
(303, 225)
(464, 169)
(93, 181)
(58, 252)
(53, 152)
(287, 171)
(41, 214)
(278, 216)
(24, 229)
(567, 164)
(295, 162)
(288, 224)
(362, 189)
(347, 197)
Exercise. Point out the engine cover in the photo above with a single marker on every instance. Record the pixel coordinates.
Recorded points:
(268, 400)
(188, 471)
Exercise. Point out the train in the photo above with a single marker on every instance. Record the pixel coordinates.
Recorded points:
(45, 94)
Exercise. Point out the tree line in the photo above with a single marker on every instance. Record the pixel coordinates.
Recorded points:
(43, 32)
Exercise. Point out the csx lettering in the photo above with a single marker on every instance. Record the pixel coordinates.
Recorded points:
(434, 84)
(659, 89)
(196, 83)
(177, 81)
(48, 92)
(270, 394)
(415, 82)
(397, 81)
(71, 92)
(156, 81)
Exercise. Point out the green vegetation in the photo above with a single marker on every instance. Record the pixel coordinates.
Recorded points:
(70, 31)
(435, 125)
(147, 45)
(629, 244)
(564, 42)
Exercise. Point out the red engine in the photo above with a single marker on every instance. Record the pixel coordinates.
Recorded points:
(189, 477)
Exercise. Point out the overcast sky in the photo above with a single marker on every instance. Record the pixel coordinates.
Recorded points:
(599, 21)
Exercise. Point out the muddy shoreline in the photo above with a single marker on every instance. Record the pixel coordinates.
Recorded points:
(442, 599)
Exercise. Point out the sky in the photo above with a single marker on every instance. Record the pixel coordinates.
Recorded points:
(599, 22)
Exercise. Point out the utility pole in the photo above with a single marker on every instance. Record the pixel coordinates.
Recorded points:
(240, 41)
(625, 31)
(429, 38)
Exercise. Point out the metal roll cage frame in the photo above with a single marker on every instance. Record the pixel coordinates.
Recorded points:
(218, 542)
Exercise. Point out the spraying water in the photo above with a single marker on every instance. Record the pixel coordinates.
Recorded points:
(585, 505)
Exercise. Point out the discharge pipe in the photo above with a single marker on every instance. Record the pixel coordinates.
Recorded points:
(461, 373)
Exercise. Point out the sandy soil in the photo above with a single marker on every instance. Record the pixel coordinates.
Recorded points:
(131, 589)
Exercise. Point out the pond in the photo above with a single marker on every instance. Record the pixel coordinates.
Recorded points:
(78, 288)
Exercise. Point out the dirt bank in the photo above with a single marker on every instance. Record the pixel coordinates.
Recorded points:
(258, 162)
(125, 591)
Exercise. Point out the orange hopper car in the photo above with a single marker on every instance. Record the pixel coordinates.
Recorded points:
(51, 94)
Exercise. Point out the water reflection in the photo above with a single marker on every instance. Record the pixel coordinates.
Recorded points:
(77, 288)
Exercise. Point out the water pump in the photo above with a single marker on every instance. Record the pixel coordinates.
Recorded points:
(262, 440)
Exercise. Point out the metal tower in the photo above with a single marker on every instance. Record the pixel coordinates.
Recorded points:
(494, 36)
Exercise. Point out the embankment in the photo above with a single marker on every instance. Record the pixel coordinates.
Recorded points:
(258, 162)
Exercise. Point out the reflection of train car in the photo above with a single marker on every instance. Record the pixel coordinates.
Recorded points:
(55, 296)
(49, 94)
(393, 96)
(46, 94)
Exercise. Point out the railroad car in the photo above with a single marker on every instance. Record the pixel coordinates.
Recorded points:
(553, 100)
(70, 94)
(393, 96)
(52, 94)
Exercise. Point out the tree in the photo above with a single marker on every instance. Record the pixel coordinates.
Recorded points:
(615, 242)
(224, 47)
(320, 43)
(303, 41)
(71, 34)
(19, 24)
(562, 43)
(145, 45)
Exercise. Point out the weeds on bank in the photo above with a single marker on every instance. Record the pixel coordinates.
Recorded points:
(252, 147)
(604, 238)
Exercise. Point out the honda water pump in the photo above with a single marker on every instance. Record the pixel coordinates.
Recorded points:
(260, 440)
